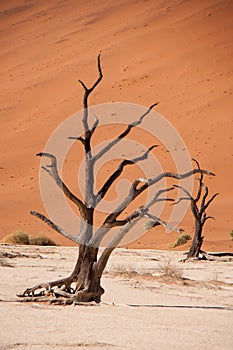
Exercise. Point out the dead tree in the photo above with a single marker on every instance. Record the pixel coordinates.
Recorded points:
(84, 283)
(199, 205)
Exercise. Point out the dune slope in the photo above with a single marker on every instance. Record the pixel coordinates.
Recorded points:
(176, 52)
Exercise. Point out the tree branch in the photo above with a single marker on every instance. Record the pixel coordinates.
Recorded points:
(54, 226)
(205, 217)
(176, 176)
(87, 92)
(53, 172)
(78, 138)
(163, 223)
(102, 262)
(90, 132)
(194, 207)
(202, 207)
(200, 179)
(124, 133)
(210, 200)
(180, 200)
(102, 192)
(135, 190)
(138, 214)
(106, 227)
(185, 191)
(95, 125)
(134, 215)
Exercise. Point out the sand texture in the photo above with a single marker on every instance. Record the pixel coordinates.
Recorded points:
(142, 307)
(176, 52)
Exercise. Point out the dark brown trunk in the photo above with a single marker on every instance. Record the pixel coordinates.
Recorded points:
(195, 248)
(88, 286)
(85, 276)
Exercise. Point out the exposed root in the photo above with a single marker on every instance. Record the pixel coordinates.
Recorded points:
(45, 289)
(60, 293)
(62, 298)
(54, 301)
(225, 257)
(210, 257)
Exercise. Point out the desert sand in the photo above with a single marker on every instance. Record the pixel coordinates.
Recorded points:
(142, 307)
(178, 53)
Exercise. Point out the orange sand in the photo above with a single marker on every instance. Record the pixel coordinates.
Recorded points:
(178, 53)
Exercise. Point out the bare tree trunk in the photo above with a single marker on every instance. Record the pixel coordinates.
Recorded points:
(195, 248)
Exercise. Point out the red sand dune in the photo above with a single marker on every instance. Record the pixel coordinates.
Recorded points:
(179, 53)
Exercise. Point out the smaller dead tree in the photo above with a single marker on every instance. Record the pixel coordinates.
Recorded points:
(199, 205)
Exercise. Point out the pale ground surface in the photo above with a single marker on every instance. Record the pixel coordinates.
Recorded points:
(191, 313)
(176, 52)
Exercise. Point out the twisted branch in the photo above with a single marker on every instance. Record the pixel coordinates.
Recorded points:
(124, 133)
(136, 190)
(87, 92)
(54, 226)
(158, 221)
(53, 172)
(102, 192)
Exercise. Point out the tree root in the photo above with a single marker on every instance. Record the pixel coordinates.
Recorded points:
(45, 289)
(56, 301)
(81, 298)
(210, 257)
(221, 256)
(60, 293)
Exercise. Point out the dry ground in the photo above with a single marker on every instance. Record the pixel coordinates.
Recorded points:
(142, 307)
(176, 52)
